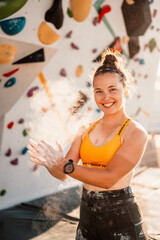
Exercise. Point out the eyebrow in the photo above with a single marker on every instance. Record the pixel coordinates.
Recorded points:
(108, 87)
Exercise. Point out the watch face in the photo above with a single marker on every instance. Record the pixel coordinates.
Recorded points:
(69, 168)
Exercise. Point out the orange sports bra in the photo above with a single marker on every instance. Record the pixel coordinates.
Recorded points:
(100, 156)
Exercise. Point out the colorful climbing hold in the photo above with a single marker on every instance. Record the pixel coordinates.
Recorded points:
(8, 153)
(95, 21)
(21, 120)
(105, 9)
(152, 44)
(130, 2)
(63, 72)
(94, 50)
(155, 13)
(10, 73)
(80, 9)
(79, 70)
(7, 8)
(35, 167)
(7, 53)
(74, 46)
(69, 12)
(98, 110)
(69, 34)
(10, 125)
(25, 132)
(3, 192)
(55, 14)
(24, 150)
(32, 91)
(13, 26)
(37, 56)
(14, 161)
(125, 39)
(89, 84)
(10, 82)
(141, 61)
(44, 109)
(46, 34)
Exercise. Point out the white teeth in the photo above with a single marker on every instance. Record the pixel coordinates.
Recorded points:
(108, 105)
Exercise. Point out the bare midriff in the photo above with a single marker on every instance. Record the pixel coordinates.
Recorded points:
(122, 183)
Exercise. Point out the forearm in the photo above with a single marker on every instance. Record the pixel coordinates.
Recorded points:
(98, 177)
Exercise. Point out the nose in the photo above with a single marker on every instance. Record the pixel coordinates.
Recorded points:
(106, 95)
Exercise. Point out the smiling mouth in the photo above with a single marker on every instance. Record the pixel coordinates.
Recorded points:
(108, 105)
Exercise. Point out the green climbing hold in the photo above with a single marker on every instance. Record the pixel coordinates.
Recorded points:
(152, 44)
(8, 7)
(25, 132)
(69, 12)
(3, 192)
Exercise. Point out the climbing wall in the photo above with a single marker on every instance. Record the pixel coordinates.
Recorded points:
(46, 79)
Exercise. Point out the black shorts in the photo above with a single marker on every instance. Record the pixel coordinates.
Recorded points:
(108, 215)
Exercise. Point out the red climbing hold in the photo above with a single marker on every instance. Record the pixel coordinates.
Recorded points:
(10, 125)
(103, 11)
(14, 161)
(10, 73)
(21, 120)
(8, 153)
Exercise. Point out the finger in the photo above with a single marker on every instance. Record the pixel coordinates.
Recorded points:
(48, 146)
(37, 161)
(59, 146)
(31, 148)
(33, 143)
(43, 148)
(32, 154)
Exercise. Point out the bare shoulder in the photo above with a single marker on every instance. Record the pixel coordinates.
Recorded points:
(85, 128)
(137, 132)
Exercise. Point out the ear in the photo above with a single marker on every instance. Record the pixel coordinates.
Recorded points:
(125, 92)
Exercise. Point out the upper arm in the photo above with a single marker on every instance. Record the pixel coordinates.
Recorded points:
(128, 155)
(74, 151)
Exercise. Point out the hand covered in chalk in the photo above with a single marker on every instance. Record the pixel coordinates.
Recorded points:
(44, 154)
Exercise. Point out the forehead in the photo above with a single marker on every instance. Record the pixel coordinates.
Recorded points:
(106, 80)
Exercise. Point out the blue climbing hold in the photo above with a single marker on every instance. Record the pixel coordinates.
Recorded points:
(10, 82)
(98, 110)
(13, 26)
(141, 61)
(24, 150)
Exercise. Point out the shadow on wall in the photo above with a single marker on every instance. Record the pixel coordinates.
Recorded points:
(33, 218)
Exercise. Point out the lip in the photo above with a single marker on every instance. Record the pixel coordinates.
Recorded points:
(110, 104)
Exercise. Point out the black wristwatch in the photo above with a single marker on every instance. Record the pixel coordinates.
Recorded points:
(68, 167)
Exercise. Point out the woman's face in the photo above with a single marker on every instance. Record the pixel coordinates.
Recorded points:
(109, 93)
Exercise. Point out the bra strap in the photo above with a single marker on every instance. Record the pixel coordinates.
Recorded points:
(120, 131)
(93, 126)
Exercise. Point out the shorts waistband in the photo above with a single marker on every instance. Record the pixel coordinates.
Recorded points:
(107, 195)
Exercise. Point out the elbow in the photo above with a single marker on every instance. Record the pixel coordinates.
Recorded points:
(110, 182)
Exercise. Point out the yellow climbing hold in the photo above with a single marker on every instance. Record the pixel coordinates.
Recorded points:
(80, 9)
(46, 34)
(79, 70)
(7, 53)
(130, 2)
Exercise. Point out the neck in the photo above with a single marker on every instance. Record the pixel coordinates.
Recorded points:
(112, 119)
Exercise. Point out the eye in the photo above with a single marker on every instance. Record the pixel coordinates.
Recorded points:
(113, 89)
(98, 91)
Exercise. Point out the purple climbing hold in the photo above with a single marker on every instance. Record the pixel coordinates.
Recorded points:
(8, 153)
(14, 161)
(21, 120)
(30, 93)
(68, 35)
(63, 72)
(74, 46)
(95, 21)
(94, 50)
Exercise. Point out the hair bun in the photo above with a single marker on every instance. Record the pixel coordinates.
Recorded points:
(110, 60)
